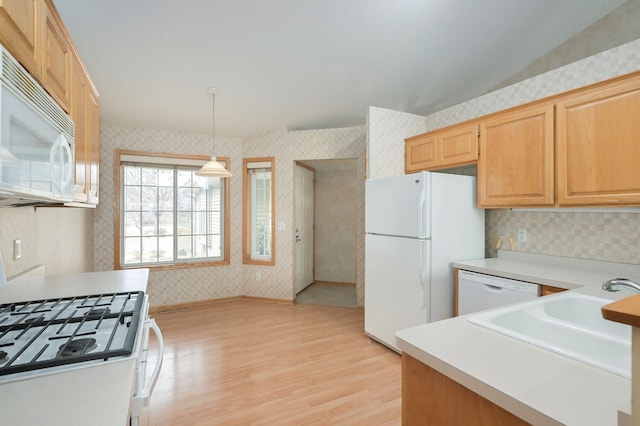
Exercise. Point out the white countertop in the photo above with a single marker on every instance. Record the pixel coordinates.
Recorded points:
(36, 287)
(563, 272)
(537, 385)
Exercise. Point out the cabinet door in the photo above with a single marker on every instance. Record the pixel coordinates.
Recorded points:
(79, 106)
(94, 147)
(458, 146)
(420, 153)
(56, 57)
(515, 166)
(598, 151)
(19, 32)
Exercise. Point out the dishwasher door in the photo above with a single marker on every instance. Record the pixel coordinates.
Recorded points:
(477, 292)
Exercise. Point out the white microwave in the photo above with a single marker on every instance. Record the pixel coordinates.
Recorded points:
(36, 140)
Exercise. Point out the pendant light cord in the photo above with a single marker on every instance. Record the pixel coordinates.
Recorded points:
(212, 91)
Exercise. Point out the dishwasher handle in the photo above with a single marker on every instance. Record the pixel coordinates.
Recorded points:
(496, 282)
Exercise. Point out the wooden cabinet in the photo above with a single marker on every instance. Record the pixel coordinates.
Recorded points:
(431, 398)
(453, 146)
(546, 290)
(19, 31)
(85, 114)
(516, 166)
(94, 147)
(56, 57)
(598, 151)
(420, 153)
(33, 33)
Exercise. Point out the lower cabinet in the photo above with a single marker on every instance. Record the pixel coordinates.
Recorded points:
(431, 398)
(546, 290)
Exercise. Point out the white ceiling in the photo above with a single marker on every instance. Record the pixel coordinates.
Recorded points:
(306, 64)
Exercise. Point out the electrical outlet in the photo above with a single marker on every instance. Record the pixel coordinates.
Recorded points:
(258, 276)
(522, 235)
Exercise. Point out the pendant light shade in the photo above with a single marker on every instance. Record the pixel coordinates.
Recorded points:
(213, 168)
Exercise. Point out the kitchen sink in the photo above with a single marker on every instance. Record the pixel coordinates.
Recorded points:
(569, 324)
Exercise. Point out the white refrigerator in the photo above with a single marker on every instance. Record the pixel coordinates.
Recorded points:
(415, 226)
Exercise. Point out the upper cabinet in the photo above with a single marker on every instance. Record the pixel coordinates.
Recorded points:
(35, 35)
(19, 32)
(55, 56)
(578, 148)
(515, 167)
(598, 145)
(450, 147)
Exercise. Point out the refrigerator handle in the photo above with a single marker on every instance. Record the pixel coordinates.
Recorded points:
(423, 216)
(423, 273)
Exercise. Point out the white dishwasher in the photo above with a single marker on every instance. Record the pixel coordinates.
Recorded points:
(477, 292)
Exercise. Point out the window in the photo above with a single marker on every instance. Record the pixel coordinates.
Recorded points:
(258, 184)
(168, 216)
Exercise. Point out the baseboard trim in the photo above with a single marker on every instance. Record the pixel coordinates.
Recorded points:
(335, 283)
(167, 309)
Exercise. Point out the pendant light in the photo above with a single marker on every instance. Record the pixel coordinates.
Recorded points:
(213, 168)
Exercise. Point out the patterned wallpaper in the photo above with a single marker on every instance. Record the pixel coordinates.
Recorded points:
(181, 285)
(608, 64)
(59, 238)
(185, 285)
(335, 250)
(386, 131)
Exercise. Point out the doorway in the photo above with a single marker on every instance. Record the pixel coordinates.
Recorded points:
(333, 229)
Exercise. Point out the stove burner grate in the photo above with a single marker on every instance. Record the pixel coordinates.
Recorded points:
(86, 328)
(77, 347)
(97, 312)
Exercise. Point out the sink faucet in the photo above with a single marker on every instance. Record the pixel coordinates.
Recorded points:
(615, 284)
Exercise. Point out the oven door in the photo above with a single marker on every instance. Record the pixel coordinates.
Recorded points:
(36, 155)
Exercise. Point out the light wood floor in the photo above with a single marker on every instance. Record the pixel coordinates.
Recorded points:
(255, 363)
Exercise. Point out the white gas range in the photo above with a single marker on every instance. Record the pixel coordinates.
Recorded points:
(73, 356)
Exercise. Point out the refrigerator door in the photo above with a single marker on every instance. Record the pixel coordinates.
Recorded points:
(398, 206)
(396, 278)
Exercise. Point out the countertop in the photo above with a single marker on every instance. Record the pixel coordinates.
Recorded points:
(537, 385)
(556, 271)
(38, 286)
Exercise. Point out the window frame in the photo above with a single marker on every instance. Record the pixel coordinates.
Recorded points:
(226, 260)
(247, 213)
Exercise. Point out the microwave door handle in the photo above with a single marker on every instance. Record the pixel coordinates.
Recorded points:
(69, 175)
(64, 149)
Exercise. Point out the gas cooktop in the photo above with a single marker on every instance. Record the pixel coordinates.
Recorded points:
(47, 333)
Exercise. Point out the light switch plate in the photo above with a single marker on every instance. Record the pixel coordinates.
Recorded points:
(17, 249)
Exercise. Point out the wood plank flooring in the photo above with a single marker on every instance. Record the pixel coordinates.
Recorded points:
(253, 363)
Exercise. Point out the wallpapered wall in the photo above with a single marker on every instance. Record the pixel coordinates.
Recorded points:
(181, 285)
(386, 131)
(277, 281)
(185, 285)
(336, 221)
(59, 238)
